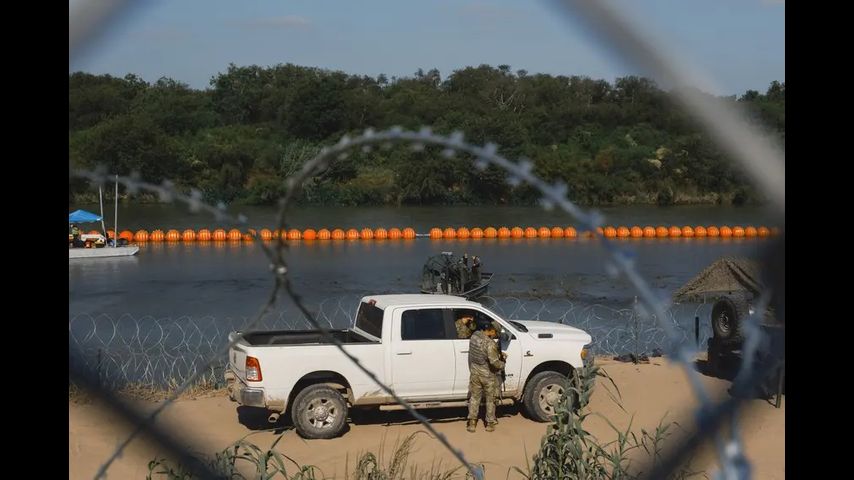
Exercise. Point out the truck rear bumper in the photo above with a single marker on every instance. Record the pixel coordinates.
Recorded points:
(241, 393)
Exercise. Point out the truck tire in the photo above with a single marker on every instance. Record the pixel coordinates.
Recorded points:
(728, 314)
(319, 411)
(543, 393)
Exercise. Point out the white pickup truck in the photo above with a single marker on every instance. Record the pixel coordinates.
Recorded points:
(410, 343)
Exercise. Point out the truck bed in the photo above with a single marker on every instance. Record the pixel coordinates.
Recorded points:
(303, 337)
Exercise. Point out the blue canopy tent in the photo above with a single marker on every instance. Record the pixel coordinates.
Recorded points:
(82, 216)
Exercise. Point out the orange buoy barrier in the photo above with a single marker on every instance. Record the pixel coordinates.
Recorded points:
(726, 232)
(188, 235)
(530, 232)
(204, 235)
(544, 232)
(380, 234)
(449, 233)
(157, 236)
(409, 233)
(749, 231)
(339, 234)
(127, 235)
(661, 231)
(266, 234)
(623, 232)
(763, 231)
(699, 231)
(324, 234)
(517, 232)
(173, 236)
(649, 231)
(674, 231)
(687, 231)
(476, 233)
(569, 232)
(737, 231)
(234, 234)
(141, 236)
(366, 234)
(713, 231)
(352, 234)
(394, 233)
(219, 235)
(435, 233)
(463, 232)
(609, 232)
(557, 232)
(309, 234)
(490, 232)
(504, 232)
(636, 232)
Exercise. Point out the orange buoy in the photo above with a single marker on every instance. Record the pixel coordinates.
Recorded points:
(293, 234)
(530, 232)
(699, 231)
(408, 233)
(249, 235)
(675, 231)
(763, 231)
(352, 234)
(219, 235)
(204, 235)
(380, 233)
(435, 233)
(637, 232)
(188, 235)
(324, 234)
(157, 236)
(726, 232)
(687, 231)
(463, 232)
(749, 231)
(557, 232)
(339, 234)
(173, 236)
(610, 232)
(234, 234)
(476, 233)
(141, 236)
(449, 233)
(266, 234)
(737, 231)
(127, 235)
(544, 232)
(713, 231)
(600, 231)
(504, 232)
(569, 232)
(649, 231)
(394, 233)
(661, 231)
(490, 232)
(309, 234)
(517, 232)
(623, 232)
(366, 234)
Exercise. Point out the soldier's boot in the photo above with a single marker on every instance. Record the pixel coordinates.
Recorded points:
(471, 426)
(490, 427)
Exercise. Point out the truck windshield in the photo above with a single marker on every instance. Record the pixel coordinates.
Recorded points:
(369, 319)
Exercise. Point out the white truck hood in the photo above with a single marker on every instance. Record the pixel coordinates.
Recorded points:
(558, 331)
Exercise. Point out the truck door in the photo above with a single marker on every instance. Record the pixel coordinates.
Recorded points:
(422, 356)
(513, 349)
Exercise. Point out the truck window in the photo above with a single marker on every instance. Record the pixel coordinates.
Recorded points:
(369, 319)
(425, 324)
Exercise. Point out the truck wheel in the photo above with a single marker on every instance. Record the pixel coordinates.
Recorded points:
(319, 411)
(728, 314)
(543, 394)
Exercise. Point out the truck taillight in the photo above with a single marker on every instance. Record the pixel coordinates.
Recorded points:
(253, 370)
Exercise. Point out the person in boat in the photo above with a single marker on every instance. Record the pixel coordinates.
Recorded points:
(475, 269)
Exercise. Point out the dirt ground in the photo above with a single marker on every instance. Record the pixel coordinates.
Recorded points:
(649, 392)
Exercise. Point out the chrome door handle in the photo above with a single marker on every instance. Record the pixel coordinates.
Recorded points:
(404, 353)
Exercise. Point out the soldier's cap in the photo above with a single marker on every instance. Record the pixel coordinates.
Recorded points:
(484, 324)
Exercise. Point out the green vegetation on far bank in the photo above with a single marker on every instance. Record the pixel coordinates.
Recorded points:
(620, 143)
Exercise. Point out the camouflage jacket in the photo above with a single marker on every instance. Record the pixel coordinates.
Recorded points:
(463, 330)
(484, 357)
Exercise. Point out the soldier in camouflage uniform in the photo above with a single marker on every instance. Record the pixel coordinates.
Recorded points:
(485, 361)
(465, 326)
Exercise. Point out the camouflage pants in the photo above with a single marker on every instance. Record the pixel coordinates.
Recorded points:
(485, 387)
